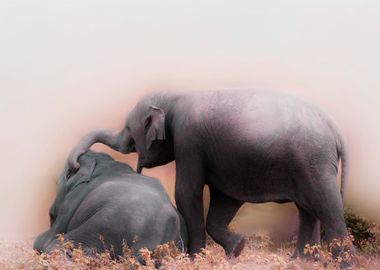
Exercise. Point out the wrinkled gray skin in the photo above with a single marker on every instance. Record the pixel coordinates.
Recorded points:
(108, 198)
(247, 146)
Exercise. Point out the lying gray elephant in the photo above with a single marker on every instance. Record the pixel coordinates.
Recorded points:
(108, 198)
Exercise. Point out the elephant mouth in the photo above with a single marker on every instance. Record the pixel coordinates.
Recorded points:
(143, 164)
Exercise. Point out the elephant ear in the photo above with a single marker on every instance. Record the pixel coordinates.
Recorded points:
(86, 170)
(154, 126)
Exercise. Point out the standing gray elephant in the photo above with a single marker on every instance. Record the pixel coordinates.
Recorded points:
(247, 146)
(108, 198)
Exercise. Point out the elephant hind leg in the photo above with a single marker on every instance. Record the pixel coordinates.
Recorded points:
(326, 204)
(331, 213)
(309, 232)
(332, 219)
(221, 211)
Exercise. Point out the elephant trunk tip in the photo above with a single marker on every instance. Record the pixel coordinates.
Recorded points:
(139, 168)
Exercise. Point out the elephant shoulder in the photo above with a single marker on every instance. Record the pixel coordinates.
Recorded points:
(189, 115)
(147, 183)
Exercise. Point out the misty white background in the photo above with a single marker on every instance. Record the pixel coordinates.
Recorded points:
(70, 66)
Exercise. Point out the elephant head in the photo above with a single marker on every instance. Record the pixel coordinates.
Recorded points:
(66, 186)
(69, 194)
(145, 132)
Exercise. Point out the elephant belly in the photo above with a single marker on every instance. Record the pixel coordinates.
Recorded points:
(254, 188)
(255, 174)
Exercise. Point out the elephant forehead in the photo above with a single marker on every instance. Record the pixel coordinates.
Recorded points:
(61, 177)
(134, 118)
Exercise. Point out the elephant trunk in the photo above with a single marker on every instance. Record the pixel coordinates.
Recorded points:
(119, 140)
(139, 167)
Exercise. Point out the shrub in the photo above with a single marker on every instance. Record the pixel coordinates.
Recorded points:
(366, 233)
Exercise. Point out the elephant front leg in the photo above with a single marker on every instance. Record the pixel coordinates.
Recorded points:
(222, 210)
(189, 200)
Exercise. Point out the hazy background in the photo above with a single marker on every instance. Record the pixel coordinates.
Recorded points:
(70, 66)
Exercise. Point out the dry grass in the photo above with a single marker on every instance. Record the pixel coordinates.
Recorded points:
(259, 253)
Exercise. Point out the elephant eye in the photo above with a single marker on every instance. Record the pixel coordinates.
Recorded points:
(52, 215)
(131, 144)
(52, 218)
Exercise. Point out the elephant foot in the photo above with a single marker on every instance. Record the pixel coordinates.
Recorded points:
(236, 248)
(195, 250)
(296, 254)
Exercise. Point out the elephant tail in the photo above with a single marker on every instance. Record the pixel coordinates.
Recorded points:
(342, 155)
